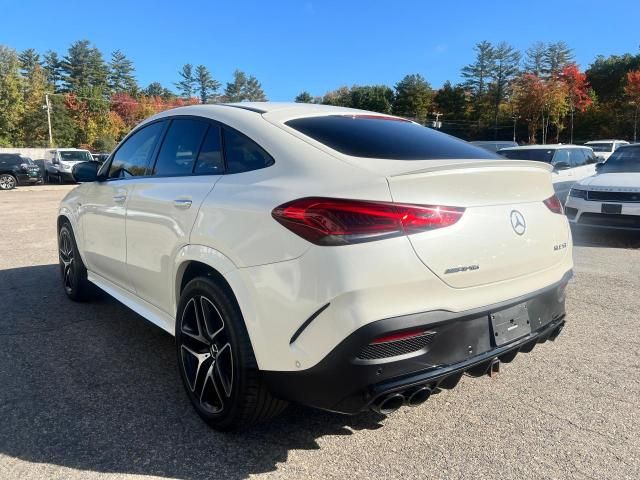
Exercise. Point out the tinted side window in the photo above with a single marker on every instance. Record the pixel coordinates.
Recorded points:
(577, 157)
(561, 156)
(210, 161)
(180, 147)
(132, 158)
(243, 154)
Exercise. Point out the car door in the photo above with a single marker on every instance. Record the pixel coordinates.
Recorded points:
(162, 208)
(587, 163)
(562, 175)
(101, 215)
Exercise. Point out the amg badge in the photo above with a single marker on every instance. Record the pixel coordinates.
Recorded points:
(461, 269)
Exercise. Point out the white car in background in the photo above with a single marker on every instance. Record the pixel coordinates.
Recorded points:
(342, 259)
(611, 198)
(604, 148)
(58, 163)
(571, 163)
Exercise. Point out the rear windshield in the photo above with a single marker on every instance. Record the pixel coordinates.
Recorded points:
(537, 154)
(384, 137)
(75, 156)
(601, 147)
(623, 160)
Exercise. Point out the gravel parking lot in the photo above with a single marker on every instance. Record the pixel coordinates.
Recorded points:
(92, 391)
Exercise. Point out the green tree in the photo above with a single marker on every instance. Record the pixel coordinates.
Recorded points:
(121, 74)
(341, 97)
(11, 98)
(234, 91)
(28, 61)
(155, 89)
(535, 58)
(53, 69)
(557, 56)
(63, 127)
(187, 84)
(377, 98)
(478, 74)
(206, 86)
(506, 61)
(413, 98)
(451, 101)
(84, 67)
(34, 119)
(253, 90)
(304, 97)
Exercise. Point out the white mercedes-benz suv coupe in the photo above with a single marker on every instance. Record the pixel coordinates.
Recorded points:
(611, 198)
(342, 259)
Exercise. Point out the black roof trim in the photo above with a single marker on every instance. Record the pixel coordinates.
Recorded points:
(251, 109)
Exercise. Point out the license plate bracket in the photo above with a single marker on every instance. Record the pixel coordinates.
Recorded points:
(510, 324)
(614, 208)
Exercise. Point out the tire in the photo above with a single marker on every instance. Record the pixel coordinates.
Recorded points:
(72, 269)
(7, 181)
(216, 362)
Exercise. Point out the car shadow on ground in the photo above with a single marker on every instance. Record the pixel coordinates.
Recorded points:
(597, 237)
(95, 387)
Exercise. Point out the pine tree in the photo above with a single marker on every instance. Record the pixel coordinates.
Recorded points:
(186, 86)
(235, 90)
(304, 97)
(253, 90)
(413, 98)
(478, 74)
(451, 100)
(506, 61)
(28, 61)
(206, 86)
(53, 69)
(121, 74)
(557, 56)
(84, 67)
(535, 58)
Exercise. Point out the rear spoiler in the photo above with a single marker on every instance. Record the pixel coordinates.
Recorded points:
(479, 164)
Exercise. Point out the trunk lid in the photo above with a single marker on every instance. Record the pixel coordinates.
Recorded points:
(506, 230)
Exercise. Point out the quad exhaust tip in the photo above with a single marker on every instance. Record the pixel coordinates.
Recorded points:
(419, 396)
(388, 404)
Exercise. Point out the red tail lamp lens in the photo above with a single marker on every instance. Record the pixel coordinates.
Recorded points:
(332, 221)
(394, 337)
(554, 204)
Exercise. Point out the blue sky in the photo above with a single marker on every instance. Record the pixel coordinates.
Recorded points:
(317, 46)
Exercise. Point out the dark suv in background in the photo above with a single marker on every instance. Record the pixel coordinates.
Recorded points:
(17, 170)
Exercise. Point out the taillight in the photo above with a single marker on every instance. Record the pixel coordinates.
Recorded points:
(332, 221)
(554, 204)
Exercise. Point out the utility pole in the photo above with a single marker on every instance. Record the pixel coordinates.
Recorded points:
(48, 107)
(437, 123)
(515, 120)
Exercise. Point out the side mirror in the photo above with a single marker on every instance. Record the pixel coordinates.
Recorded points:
(55, 161)
(561, 166)
(85, 171)
(599, 166)
(592, 160)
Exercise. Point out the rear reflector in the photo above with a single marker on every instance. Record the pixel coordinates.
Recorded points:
(333, 221)
(554, 204)
(394, 337)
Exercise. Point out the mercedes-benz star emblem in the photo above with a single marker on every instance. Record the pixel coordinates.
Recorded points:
(517, 222)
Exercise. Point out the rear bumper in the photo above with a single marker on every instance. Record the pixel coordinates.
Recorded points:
(347, 381)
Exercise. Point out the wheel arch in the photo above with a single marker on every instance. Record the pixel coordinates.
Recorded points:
(199, 260)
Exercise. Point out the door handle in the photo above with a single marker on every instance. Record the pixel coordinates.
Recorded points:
(182, 203)
(119, 198)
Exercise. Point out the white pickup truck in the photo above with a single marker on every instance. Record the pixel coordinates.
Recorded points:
(58, 163)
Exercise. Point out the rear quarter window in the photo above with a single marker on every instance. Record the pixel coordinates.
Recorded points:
(385, 138)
